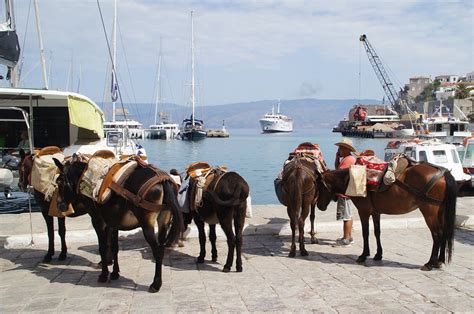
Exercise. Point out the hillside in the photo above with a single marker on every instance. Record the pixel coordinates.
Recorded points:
(306, 113)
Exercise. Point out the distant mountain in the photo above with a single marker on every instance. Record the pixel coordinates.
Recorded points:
(306, 113)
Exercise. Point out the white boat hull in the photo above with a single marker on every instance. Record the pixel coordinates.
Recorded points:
(272, 125)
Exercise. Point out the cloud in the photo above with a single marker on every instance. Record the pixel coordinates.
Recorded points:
(412, 37)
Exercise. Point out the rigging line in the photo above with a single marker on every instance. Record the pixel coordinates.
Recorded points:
(113, 65)
(128, 70)
(20, 66)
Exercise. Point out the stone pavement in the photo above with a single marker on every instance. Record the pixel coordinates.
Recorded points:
(328, 280)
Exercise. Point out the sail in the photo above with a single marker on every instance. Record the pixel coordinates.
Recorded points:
(9, 46)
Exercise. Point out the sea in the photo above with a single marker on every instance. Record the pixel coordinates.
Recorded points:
(256, 156)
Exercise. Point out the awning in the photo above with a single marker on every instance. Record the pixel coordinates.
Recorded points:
(85, 115)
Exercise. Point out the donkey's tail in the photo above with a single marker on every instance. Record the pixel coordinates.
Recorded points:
(295, 189)
(171, 200)
(449, 213)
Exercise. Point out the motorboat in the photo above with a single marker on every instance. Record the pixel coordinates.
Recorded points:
(431, 151)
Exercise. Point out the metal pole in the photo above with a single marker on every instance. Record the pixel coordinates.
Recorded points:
(193, 100)
(40, 42)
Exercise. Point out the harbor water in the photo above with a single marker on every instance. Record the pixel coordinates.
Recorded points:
(257, 157)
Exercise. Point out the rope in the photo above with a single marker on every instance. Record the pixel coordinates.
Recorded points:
(28, 191)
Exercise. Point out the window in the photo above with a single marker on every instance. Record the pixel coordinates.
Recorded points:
(422, 156)
(455, 156)
(440, 156)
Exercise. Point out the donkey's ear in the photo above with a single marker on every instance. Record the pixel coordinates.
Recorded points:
(58, 164)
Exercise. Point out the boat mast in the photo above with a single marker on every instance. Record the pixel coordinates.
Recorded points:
(40, 42)
(158, 91)
(114, 59)
(192, 69)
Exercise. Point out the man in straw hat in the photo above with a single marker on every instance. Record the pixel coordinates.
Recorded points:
(344, 159)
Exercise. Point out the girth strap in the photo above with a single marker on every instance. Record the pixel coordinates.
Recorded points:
(422, 193)
(137, 200)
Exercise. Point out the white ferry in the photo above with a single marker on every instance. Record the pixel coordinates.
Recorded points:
(276, 122)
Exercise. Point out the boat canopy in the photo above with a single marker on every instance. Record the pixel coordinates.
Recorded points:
(9, 46)
(56, 117)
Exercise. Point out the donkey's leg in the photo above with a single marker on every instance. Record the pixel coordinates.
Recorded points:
(100, 229)
(376, 220)
(202, 238)
(301, 220)
(158, 253)
(312, 216)
(50, 227)
(62, 235)
(114, 248)
(291, 214)
(364, 219)
(430, 213)
(239, 221)
(226, 224)
(212, 239)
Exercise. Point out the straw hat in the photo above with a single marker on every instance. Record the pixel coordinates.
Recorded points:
(347, 143)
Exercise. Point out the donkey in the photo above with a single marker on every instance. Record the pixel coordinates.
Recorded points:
(428, 187)
(128, 209)
(224, 201)
(26, 165)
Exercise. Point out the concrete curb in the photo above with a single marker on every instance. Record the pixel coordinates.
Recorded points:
(24, 240)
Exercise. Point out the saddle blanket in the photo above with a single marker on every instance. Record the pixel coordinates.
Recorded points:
(43, 174)
(97, 168)
(375, 168)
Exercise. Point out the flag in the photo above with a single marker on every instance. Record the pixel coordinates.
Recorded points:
(114, 88)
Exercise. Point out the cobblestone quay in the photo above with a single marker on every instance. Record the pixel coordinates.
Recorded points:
(328, 280)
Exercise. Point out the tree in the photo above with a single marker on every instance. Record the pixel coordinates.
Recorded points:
(428, 92)
(461, 91)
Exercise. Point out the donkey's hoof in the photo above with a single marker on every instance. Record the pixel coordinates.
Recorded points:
(378, 257)
(114, 276)
(62, 256)
(361, 259)
(304, 253)
(47, 258)
(439, 266)
(154, 288)
(214, 259)
(314, 241)
(102, 278)
(199, 260)
(226, 269)
(292, 253)
(239, 269)
(426, 267)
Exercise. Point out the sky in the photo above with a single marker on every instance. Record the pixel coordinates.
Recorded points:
(245, 50)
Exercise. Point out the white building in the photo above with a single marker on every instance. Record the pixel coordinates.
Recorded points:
(447, 78)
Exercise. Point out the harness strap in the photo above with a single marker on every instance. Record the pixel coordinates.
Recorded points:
(422, 193)
(137, 200)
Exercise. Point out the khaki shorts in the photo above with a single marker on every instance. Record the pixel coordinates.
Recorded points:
(344, 210)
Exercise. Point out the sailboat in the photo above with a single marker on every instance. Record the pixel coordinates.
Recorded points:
(132, 127)
(192, 128)
(162, 128)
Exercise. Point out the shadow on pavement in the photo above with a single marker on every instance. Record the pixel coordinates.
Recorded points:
(464, 236)
(75, 270)
(279, 246)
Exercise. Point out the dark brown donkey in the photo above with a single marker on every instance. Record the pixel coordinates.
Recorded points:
(424, 186)
(299, 193)
(128, 209)
(26, 166)
(224, 201)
